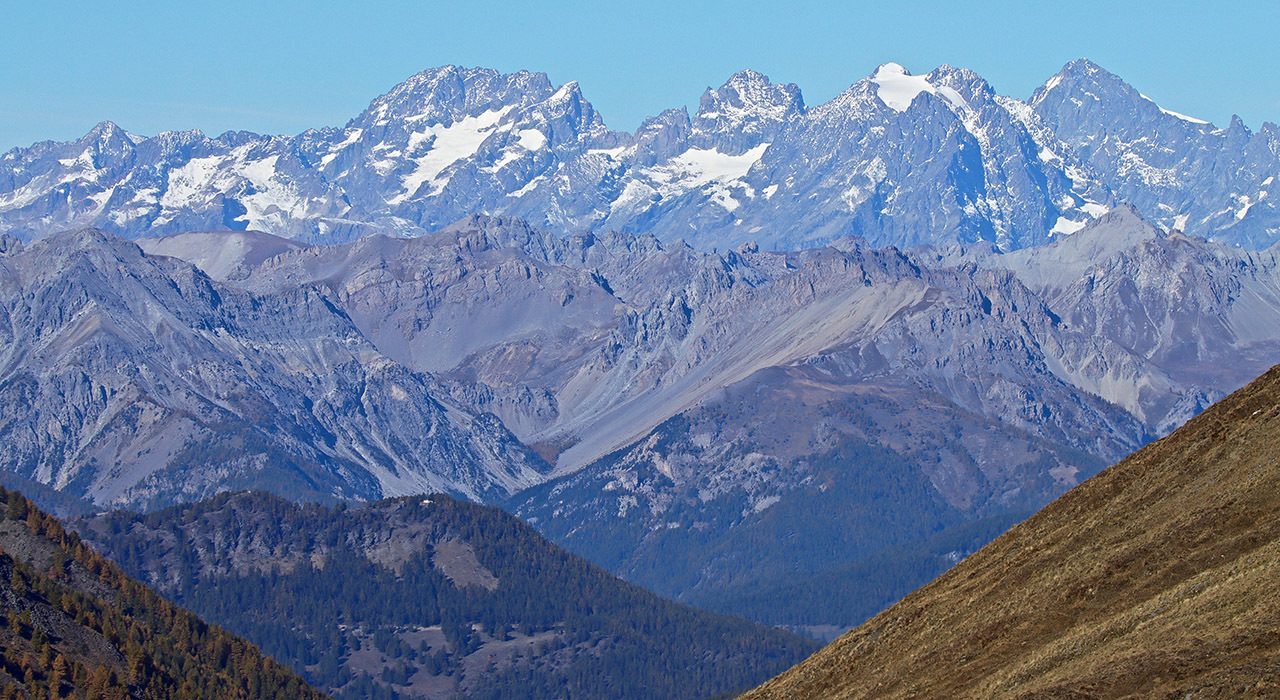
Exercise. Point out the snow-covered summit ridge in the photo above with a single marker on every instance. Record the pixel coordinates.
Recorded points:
(749, 97)
(898, 88)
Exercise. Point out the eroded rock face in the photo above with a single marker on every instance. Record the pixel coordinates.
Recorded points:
(137, 380)
(1183, 173)
(897, 159)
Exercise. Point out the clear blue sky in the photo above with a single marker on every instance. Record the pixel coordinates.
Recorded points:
(285, 66)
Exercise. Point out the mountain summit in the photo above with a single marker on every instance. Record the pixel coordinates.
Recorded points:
(1183, 173)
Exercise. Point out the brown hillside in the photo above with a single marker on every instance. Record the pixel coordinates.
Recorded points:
(1160, 577)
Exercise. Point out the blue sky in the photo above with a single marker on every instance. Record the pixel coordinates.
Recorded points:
(283, 67)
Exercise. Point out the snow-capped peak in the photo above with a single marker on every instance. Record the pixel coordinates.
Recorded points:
(570, 91)
(746, 77)
(1083, 66)
(448, 93)
(897, 88)
(1081, 71)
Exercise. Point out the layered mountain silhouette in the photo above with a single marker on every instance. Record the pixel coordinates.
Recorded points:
(1155, 578)
(136, 379)
(884, 327)
(631, 398)
(898, 159)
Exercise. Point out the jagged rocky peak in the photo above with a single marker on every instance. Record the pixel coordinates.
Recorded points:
(568, 94)
(750, 105)
(448, 93)
(168, 142)
(1084, 87)
(754, 162)
(1123, 220)
(482, 232)
(662, 137)
(1084, 68)
(972, 87)
(1077, 94)
(94, 241)
(1181, 172)
(109, 138)
(1066, 259)
(566, 113)
(1077, 73)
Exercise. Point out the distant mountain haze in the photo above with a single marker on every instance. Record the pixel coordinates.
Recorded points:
(630, 398)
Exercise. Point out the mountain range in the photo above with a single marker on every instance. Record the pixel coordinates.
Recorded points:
(795, 342)
(645, 404)
(898, 159)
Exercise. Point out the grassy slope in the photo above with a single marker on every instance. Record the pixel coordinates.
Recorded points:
(1160, 577)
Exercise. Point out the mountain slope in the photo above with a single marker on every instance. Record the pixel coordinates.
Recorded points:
(1155, 578)
(75, 623)
(873, 400)
(431, 597)
(1171, 316)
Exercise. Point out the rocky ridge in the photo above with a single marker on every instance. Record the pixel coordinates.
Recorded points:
(136, 379)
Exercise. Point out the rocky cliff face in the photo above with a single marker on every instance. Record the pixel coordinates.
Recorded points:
(670, 397)
(133, 379)
(898, 159)
(1183, 173)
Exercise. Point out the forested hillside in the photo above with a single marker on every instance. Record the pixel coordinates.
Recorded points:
(433, 597)
(73, 625)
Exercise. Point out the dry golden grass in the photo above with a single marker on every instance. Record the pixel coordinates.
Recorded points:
(1160, 577)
